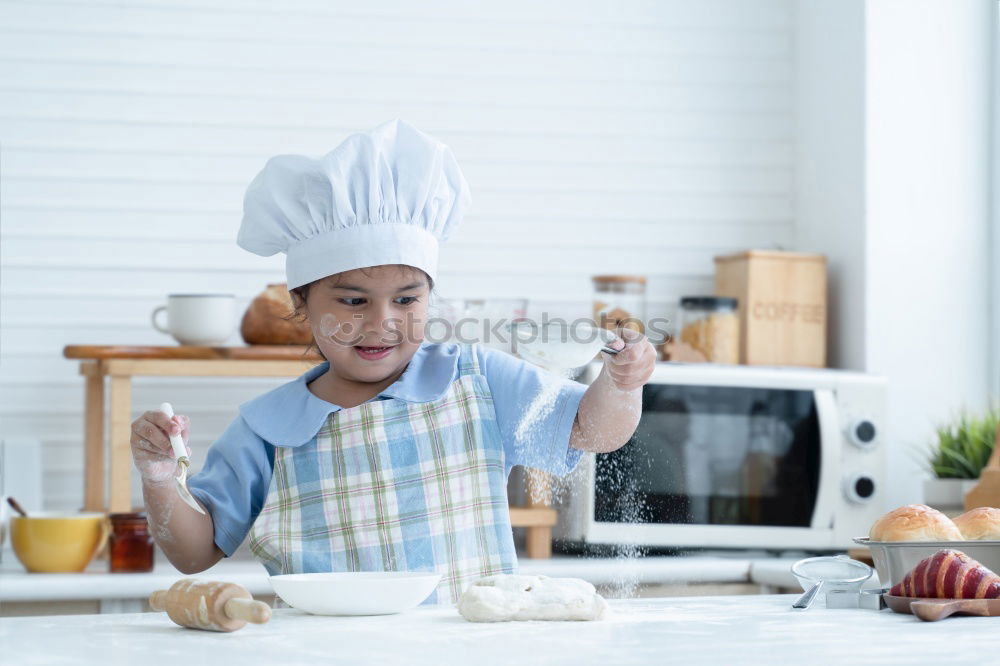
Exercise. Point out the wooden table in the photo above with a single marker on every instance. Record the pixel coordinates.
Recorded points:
(121, 363)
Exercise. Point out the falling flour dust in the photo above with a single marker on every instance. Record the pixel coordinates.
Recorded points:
(542, 405)
(615, 471)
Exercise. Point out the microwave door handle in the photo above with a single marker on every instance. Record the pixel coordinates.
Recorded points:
(829, 466)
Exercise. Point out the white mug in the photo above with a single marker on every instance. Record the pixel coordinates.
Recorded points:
(198, 319)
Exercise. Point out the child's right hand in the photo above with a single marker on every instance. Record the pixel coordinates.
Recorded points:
(151, 450)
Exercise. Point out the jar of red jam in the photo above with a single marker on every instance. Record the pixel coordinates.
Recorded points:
(131, 545)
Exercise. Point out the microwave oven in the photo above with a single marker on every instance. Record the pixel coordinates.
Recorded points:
(733, 456)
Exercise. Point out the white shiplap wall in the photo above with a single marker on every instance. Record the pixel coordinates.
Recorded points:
(636, 136)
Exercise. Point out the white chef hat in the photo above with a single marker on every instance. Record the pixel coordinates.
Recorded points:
(386, 196)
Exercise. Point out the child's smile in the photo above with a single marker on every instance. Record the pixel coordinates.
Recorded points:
(373, 353)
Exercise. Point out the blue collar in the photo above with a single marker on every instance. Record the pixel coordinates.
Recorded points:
(291, 415)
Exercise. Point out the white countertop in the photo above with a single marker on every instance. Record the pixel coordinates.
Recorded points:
(96, 583)
(718, 630)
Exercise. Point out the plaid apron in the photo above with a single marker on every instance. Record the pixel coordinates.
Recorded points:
(395, 486)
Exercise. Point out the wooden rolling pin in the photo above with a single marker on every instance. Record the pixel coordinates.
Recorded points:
(209, 605)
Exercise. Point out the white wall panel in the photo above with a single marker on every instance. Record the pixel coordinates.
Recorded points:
(637, 136)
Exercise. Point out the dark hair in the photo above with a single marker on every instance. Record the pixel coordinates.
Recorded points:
(300, 295)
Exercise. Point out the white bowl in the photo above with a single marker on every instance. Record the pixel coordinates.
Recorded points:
(355, 593)
(838, 572)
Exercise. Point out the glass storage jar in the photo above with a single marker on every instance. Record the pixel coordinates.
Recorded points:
(620, 301)
(131, 545)
(710, 325)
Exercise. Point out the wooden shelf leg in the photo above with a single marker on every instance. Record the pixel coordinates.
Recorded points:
(538, 540)
(93, 428)
(121, 454)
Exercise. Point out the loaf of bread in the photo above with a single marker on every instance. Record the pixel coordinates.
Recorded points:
(914, 522)
(266, 320)
(949, 574)
(982, 524)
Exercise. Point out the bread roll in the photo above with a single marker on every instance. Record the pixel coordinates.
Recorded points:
(265, 323)
(982, 524)
(914, 522)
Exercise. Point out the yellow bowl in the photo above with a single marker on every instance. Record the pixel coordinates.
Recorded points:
(57, 542)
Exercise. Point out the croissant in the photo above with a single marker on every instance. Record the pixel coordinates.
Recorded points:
(949, 574)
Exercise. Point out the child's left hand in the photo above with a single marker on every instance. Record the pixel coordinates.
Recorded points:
(632, 367)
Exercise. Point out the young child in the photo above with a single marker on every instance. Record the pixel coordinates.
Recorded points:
(393, 455)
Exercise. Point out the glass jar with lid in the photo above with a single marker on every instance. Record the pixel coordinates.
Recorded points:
(620, 301)
(131, 545)
(710, 325)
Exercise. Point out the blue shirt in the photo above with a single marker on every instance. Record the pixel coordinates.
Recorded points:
(235, 478)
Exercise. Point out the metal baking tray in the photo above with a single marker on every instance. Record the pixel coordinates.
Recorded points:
(895, 559)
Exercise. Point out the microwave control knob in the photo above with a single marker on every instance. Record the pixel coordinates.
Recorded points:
(859, 488)
(862, 434)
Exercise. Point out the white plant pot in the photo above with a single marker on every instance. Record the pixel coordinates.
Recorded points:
(947, 494)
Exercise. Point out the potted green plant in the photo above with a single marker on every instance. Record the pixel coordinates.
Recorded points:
(958, 456)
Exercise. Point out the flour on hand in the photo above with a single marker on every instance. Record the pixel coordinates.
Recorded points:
(511, 597)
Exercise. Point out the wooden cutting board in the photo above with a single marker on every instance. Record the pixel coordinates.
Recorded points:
(931, 610)
(189, 352)
(987, 491)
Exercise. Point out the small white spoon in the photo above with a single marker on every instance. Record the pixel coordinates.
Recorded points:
(177, 442)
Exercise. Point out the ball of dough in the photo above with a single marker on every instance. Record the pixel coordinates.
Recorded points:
(506, 597)
(982, 524)
(914, 522)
